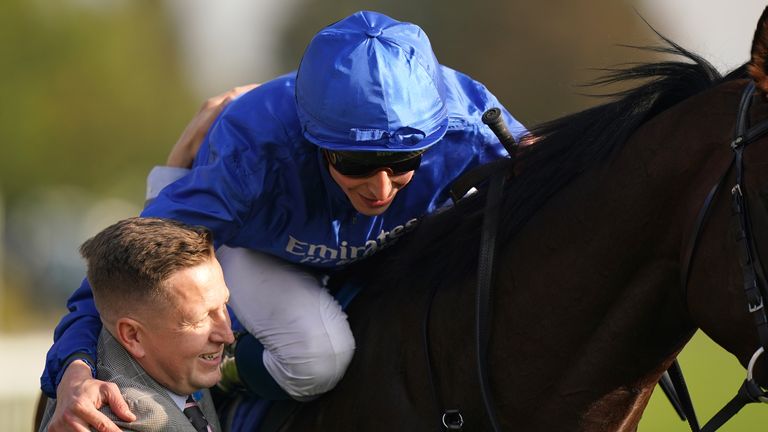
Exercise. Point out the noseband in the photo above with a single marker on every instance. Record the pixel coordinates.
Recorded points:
(753, 275)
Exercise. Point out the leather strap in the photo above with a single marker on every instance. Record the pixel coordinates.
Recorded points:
(451, 419)
(485, 276)
(684, 396)
(748, 393)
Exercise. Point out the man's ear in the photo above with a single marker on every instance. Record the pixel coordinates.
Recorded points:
(130, 334)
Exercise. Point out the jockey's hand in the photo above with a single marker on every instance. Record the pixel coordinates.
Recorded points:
(78, 399)
(184, 151)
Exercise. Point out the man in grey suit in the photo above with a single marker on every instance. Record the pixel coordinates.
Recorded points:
(162, 299)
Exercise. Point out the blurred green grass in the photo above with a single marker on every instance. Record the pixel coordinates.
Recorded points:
(713, 376)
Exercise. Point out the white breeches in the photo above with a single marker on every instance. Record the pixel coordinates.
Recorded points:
(307, 340)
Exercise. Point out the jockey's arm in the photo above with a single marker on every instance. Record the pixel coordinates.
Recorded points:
(69, 374)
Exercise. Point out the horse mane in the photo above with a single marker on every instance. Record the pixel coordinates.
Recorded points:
(445, 246)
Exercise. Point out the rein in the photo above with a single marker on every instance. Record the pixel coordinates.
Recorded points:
(452, 419)
(753, 275)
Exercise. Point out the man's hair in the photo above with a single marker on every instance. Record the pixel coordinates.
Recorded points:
(128, 262)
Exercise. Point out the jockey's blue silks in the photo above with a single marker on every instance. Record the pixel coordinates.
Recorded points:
(273, 192)
(259, 183)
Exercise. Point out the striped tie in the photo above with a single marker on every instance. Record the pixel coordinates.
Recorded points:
(196, 417)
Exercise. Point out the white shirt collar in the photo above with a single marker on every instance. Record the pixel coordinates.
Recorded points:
(178, 399)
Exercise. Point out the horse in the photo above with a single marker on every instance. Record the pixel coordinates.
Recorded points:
(597, 286)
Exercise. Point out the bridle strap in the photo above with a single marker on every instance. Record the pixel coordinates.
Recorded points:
(752, 270)
(749, 392)
(693, 245)
(741, 136)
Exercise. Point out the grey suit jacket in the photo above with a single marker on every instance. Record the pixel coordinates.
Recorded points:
(154, 408)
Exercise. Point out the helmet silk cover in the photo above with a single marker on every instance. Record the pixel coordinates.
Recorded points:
(371, 83)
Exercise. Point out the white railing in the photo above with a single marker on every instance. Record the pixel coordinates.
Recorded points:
(17, 413)
(20, 372)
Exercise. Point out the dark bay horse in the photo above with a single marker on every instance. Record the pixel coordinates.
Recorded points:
(588, 305)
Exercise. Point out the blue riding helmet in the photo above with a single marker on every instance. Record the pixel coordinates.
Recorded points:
(371, 83)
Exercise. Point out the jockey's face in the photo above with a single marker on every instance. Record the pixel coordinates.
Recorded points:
(181, 344)
(373, 194)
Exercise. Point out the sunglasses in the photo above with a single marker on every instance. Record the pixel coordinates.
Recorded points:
(363, 164)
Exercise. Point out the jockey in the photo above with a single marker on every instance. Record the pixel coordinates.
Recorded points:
(302, 175)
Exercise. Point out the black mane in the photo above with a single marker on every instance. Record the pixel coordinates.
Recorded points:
(445, 246)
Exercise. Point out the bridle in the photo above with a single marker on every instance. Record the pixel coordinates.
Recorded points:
(753, 274)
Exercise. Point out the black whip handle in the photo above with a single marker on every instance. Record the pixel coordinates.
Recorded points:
(495, 121)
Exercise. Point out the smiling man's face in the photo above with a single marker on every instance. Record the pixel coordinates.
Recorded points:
(183, 339)
(371, 195)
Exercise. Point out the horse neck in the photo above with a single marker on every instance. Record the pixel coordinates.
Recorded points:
(590, 289)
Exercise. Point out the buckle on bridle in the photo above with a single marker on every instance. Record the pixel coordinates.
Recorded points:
(763, 397)
(736, 143)
(736, 190)
(757, 307)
